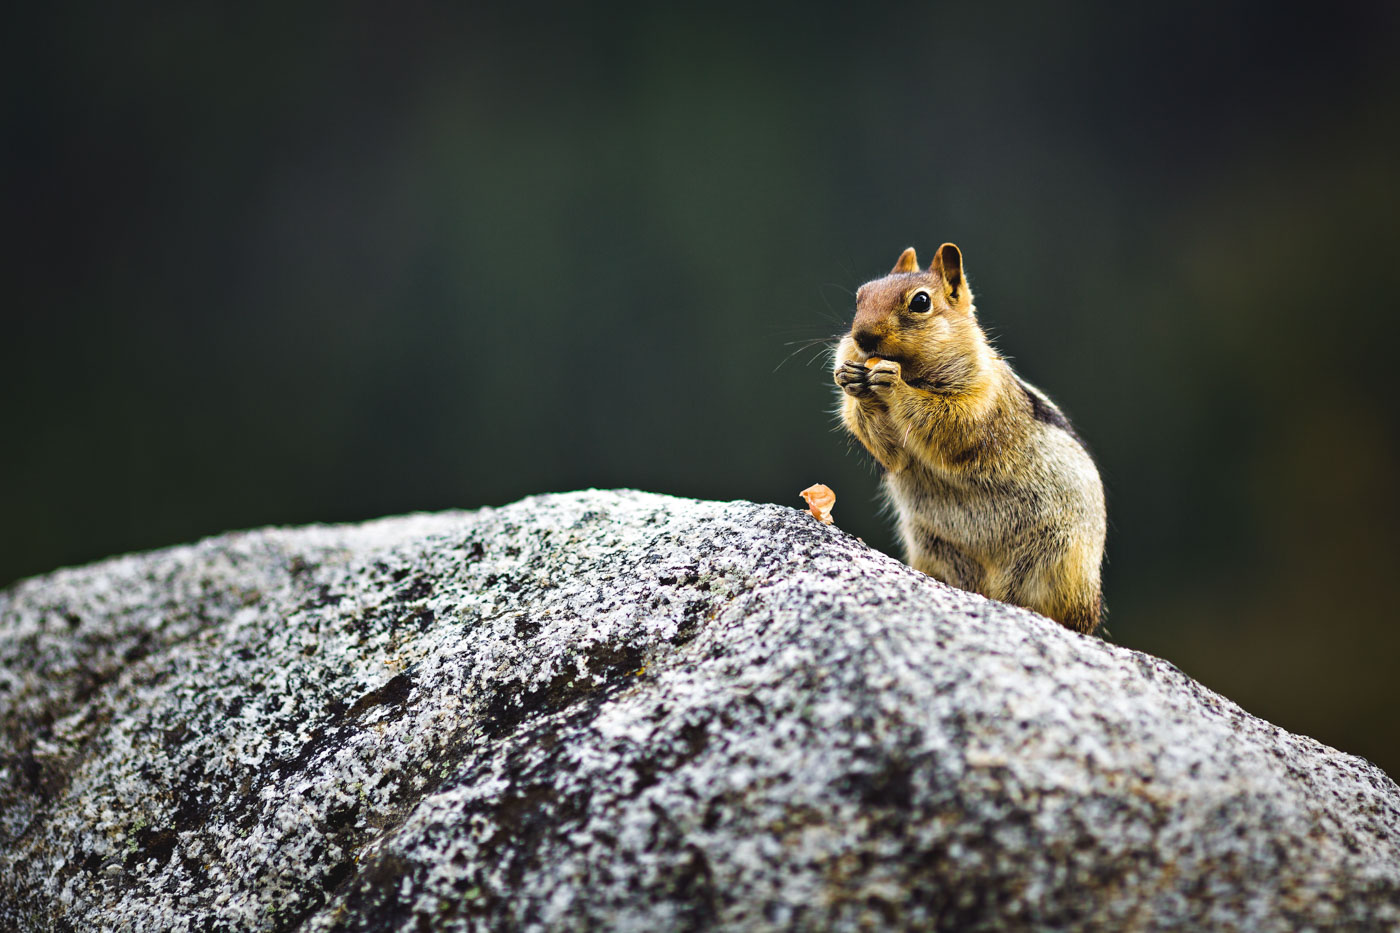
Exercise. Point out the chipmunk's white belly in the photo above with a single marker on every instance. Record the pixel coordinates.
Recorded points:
(975, 517)
(1057, 494)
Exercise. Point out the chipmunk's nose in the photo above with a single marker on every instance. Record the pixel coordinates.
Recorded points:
(866, 340)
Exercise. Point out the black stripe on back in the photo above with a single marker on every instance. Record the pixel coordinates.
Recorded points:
(1046, 413)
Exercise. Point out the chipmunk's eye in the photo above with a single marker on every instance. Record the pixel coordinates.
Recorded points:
(920, 303)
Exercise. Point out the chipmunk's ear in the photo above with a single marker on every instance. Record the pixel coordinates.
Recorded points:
(908, 262)
(947, 262)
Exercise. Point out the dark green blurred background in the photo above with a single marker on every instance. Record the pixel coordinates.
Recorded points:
(285, 265)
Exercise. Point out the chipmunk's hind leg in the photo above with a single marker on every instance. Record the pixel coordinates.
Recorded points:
(1051, 576)
(943, 560)
(1084, 615)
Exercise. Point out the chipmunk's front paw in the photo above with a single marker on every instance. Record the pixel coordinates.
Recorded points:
(883, 376)
(854, 379)
(870, 379)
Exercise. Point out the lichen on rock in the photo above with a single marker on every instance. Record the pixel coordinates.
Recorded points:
(629, 711)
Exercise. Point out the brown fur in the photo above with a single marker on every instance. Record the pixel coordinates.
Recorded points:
(993, 490)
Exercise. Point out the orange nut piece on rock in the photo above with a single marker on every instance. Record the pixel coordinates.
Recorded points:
(820, 499)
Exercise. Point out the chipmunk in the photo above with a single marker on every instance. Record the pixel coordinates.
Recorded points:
(994, 490)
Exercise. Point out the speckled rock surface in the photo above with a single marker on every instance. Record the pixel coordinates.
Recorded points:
(628, 711)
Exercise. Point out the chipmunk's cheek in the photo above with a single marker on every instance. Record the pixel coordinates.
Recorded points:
(846, 350)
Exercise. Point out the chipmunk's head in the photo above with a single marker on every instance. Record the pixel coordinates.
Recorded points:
(921, 318)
